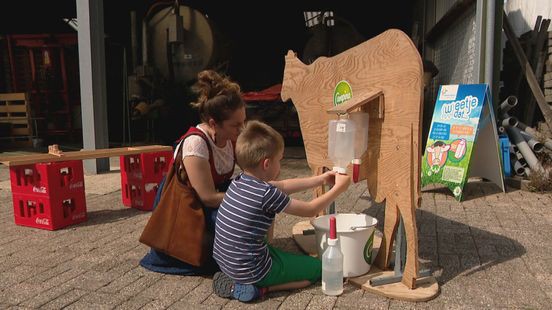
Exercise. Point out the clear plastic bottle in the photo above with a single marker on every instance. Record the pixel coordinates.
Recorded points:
(332, 264)
(341, 135)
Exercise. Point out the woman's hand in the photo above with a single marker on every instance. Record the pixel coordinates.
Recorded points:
(328, 178)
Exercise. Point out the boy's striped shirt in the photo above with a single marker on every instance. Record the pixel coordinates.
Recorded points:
(244, 217)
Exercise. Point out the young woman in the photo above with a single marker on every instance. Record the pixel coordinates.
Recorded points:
(208, 157)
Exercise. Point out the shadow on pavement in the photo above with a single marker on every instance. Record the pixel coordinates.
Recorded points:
(100, 217)
(472, 190)
(450, 248)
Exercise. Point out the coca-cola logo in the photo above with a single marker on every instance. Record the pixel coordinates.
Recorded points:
(137, 175)
(76, 185)
(41, 189)
(42, 221)
(78, 216)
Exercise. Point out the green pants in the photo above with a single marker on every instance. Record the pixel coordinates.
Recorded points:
(288, 267)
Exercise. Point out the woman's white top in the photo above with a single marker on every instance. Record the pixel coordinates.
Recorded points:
(223, 156)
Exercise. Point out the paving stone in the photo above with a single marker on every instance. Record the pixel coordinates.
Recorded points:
(109, 300)
(185, 305)
(65, 299)
(135, 302)
(296, 301)
(491, 251)
(83, 305)
(18, 274)
(260, 305)
(20, 292)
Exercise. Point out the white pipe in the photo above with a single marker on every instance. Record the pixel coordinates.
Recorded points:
(518, 157)
(518, 168)
(510, 121)
(519, 141)
(534, 133)
(527, 129)
(535, 145)
(507, 104)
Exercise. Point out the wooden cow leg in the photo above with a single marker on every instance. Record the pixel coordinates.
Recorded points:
(391, 222)
(410, 272)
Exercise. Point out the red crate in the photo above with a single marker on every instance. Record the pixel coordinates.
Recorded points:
(139, 194)
(140, 177)
(49, 213)
(56, 179)
(150, 167)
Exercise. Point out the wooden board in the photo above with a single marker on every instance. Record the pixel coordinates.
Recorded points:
(79, 155)
(14, 109)
(426, 288)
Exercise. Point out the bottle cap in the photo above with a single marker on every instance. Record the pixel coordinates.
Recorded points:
(333, 233)
(332, 241)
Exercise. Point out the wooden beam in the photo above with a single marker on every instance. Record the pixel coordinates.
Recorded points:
(357, 102)
(12, 96)
(527, 71)
(79, 155)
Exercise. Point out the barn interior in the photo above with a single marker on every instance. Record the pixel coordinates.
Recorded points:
(149, 72)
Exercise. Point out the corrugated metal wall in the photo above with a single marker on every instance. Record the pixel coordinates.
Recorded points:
(456, 52)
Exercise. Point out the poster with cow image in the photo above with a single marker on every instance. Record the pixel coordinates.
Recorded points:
(457, 120)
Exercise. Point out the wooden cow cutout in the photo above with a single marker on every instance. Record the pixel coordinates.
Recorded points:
(388, 63)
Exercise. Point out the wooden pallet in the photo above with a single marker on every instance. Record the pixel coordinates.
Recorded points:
(15, 110)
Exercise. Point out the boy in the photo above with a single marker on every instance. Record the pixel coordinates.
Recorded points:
(250, 267)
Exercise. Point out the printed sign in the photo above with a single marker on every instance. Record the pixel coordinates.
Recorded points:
(461, 112)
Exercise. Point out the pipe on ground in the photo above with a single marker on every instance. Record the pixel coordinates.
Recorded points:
(524, 148)
(506, 105)
(535, 145)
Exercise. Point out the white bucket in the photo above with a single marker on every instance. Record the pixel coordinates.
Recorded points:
(356, 244)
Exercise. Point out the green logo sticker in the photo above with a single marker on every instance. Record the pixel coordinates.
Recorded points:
(368, 249)
(342, 92)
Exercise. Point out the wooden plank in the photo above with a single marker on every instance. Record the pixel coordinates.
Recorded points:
(539, 57)
(12, 96)
(79, 155)
(21, 131)
(14, 120)
(357, 101)
(527, 71)
(11, 108)
(426, 288)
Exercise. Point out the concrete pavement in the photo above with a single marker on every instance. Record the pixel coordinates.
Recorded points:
(492, 251)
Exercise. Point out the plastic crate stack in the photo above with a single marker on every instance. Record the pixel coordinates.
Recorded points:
(48, 195)
(140, 178)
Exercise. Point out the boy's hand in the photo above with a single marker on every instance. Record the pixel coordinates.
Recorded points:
(342, 181)
(328, 178)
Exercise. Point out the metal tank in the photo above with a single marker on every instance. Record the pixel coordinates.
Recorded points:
(179, 47)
